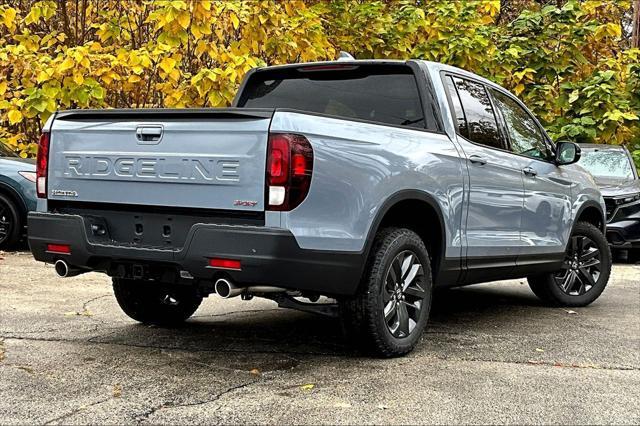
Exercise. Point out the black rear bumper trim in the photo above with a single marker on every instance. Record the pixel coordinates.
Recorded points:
(269, 256)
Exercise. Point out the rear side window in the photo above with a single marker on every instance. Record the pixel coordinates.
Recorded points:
(481, 121)
(383, 93)
(461, 121)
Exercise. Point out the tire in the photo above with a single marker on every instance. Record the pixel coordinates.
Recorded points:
(396, 252)
(151, 302)
(10, 223)
(571, 285)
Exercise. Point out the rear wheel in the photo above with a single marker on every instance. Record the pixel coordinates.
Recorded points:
(152, 302)
(584, 273)
(10, 223)
(390, 312)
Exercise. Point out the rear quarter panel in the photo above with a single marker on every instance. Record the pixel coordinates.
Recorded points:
(360, 165)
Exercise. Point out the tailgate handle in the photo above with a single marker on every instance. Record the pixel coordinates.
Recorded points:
(149, 134)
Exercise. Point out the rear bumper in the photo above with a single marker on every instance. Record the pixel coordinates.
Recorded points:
(269, 256)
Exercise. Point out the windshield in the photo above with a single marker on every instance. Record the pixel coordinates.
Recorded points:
(5, 152)
(608, 163)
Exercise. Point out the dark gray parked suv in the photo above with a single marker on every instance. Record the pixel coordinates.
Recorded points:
(369, 182)
(618, 180)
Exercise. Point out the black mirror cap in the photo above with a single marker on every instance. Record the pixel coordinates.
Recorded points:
(567, 153)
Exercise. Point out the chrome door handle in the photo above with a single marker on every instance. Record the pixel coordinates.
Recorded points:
(476, 159)
(529, 171)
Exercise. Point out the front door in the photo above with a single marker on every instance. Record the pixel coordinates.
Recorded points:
(496, 188)
(547, 190)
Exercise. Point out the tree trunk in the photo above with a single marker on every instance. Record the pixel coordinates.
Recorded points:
(635, 38)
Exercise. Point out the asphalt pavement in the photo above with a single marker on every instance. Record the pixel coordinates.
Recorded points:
(492, 354)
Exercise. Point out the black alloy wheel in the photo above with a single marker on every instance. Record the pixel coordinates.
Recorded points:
(581, 268)
(403, 294)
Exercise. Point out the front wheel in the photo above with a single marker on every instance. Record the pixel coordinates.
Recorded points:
(584, 273)
(390, 311)
(152, 302)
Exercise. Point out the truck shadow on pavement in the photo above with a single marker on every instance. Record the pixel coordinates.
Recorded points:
(286, 331)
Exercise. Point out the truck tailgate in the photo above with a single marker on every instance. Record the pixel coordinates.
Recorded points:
(213, 159)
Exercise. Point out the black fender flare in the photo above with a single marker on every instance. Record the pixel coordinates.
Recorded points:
(404, 195)
(589, 204)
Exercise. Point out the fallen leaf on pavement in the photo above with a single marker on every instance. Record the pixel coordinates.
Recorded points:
(85, 313)
(307, 387)
(539, 350)
(255, 371)
(117, 391)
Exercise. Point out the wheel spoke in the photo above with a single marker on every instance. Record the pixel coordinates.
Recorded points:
(395, 271)
(415, 291)
(413, 307)
(592, 263)
(407, 263)
(403, 320)
(411, 275)
(586, 276)
(568, 281)
(390, 310)
(588, 255)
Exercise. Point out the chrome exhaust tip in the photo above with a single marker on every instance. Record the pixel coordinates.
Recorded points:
(62, 269)
(225, 289)
(65, 271)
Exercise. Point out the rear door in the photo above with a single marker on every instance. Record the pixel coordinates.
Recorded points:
(180, 158)
(496, 188)
(547, 189)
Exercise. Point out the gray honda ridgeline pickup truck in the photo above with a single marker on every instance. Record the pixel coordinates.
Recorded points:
(369, 182)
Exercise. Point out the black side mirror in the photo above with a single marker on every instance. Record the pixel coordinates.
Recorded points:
(567, 153)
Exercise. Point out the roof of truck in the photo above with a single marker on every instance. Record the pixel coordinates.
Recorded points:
(435, 66)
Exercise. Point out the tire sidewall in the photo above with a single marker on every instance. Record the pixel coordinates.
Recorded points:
(405, 241)
(14, 232)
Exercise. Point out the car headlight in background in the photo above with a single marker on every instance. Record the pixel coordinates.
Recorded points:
(30, 176)
(627, 199)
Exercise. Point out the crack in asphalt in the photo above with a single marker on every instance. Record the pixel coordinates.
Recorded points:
(76, 411)
(86, 304)
(171, 405)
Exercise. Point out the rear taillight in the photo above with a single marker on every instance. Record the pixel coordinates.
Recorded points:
(42, 165)
(289, 169)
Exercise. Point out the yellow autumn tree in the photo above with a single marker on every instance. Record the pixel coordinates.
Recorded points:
(569, 62)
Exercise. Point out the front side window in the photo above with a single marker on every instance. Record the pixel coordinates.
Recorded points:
(482, 127)
(525, 135)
